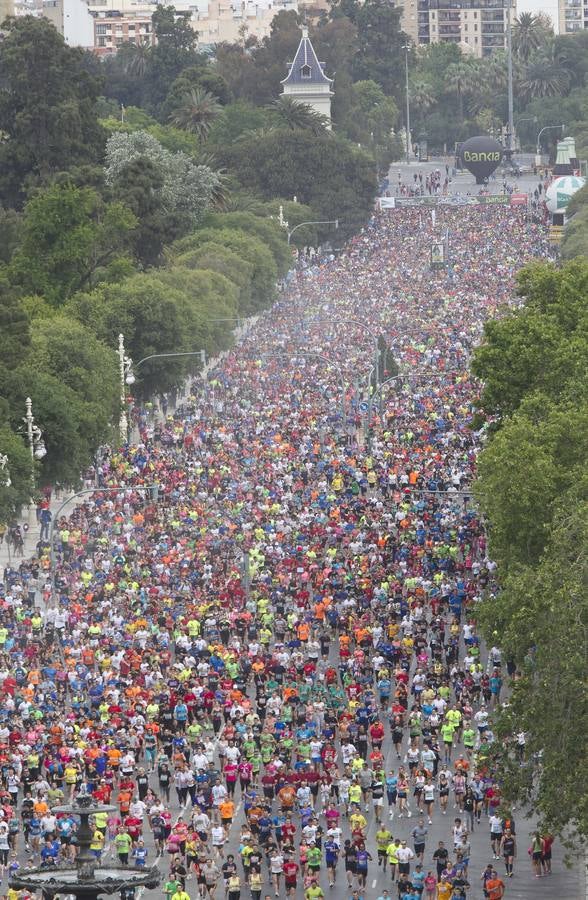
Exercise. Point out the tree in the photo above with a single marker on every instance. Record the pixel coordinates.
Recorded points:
(47, 107)
(380, 39)
(219, 258)
(326, 172)
(335, 42)
(70, 351)
(533, 488)
(137, 59)
(293, 114)
(151, 316)
(371, 116)
(265, 272)
(10, 232)
(70, 237)
(201, 76)
(422, 95)
(233, 121)
(529, 32)
(186, 190)
(266, 229)
(139, 187)
(545, 75)
(174, 50)
(541, 347)
(458, 80)
(294, 214)
(541, 617)
(17, 494)
(575, 239)
(15, 331)
(197, 112)
(237, 67)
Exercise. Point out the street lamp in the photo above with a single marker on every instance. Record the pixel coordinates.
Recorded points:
(291, 231)
(406, 48)
(510, 126)
(545, 128)
(34, 438)
(127, 375)
(5, 480)
(125, 371)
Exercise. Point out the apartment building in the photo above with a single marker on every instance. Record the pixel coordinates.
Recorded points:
(477, 26)
(572, 15)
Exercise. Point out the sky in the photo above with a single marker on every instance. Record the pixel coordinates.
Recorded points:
(539, 6)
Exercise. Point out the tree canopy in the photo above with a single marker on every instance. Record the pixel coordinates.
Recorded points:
(533, 488)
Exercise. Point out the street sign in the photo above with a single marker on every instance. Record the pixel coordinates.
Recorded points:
(364, 406)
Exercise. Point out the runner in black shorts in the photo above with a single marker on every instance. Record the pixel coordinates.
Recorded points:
(350, 857)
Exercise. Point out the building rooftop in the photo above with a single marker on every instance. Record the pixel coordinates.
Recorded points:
(306, 69)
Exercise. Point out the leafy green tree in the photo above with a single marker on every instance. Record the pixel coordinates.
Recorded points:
(202, 76)
(335, 42)
(251, 249)
(541, 347)
(137, 58)
(10, 233)
(326, 172)
(533, 488)
(458, 80)
(236, 66)
(17, 493)
(174, 51)
(575, 239)
(70, 351)
(47, 107)
(540, 617)
(266, 229)
(380, 39)
(72, 428)
(139, 187)
(151, 316)
(218, 258)
(233, 121)
(69, 237)
(186, 190)
(370, 121)
(15, 332)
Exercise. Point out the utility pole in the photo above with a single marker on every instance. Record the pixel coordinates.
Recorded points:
(406, 48)
(510, 126)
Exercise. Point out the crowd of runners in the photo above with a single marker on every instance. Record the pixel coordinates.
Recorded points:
(268, 664)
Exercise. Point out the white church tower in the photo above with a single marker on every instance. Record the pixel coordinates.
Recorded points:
(306, 81)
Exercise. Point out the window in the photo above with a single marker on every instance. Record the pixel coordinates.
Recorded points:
(305, 71)
(101, 42)
(100, 29)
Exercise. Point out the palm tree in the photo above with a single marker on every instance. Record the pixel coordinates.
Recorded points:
(545, 76)
(529, 32)
(422, 96)
(137, 59)
(458, 80)
(197, 113)
(295, 115)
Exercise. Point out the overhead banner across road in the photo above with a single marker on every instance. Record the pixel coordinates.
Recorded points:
(451, 200)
